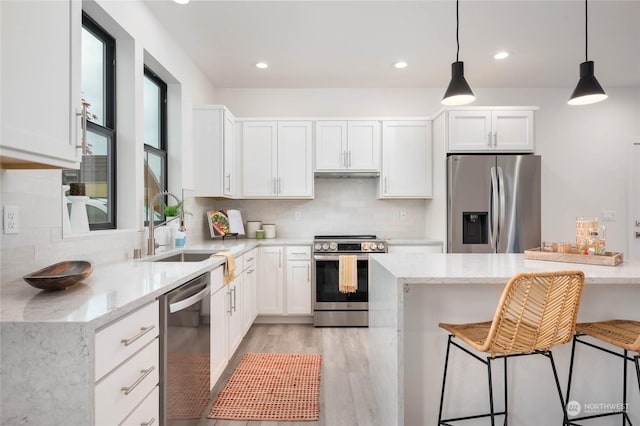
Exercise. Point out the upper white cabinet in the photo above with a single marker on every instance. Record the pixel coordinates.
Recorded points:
(277, 159)
(216, 152)
(490, 130)
(351, 146)
(40, 80)
(407, 160)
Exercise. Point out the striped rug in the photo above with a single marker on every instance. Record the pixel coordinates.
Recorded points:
(276, 387)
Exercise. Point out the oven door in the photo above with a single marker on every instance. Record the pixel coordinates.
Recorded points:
(326, 294)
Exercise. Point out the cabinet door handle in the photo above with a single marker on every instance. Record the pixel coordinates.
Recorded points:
(149, 423)
(143, 331)
(279, 259)
(349, 158)
(495, 138)
(275, 191)
(278, 185)
(308, 273)
(250, 259)
(250, 271)
(234, 298)
(299, 252)
(128, 389)
(489, 139)
(386, 185)
(228, 182)
(230, 304)
(344, 158)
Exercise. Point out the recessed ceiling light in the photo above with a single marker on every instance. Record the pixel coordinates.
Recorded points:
(262, 65)
(501, 55)
(181, 1)
(400, 65)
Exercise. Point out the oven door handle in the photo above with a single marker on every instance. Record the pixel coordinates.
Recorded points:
(335, 257)
(188, 301)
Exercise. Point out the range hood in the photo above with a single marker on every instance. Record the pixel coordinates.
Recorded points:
(345, 174)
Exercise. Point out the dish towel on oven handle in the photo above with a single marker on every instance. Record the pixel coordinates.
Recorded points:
(348, 274)
(229, 266)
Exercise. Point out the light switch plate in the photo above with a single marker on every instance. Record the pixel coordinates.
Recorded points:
(11, 222)
(608, 215)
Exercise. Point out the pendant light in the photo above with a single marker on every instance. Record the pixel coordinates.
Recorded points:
(588, 90)
(458, 92)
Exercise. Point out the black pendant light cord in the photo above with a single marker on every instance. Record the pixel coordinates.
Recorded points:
(586, 33)
(457, 31)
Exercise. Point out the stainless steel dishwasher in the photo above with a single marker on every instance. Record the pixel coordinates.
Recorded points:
(184, 355)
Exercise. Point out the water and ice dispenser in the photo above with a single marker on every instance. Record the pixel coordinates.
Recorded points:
(475, 227)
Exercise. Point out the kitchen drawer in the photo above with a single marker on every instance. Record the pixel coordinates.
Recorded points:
(147, 413)
(298, 253)
(250, 259)
(121, 339)
(239, 261)
(139, 375)
(217, 279)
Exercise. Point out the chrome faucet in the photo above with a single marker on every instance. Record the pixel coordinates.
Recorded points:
(151, 242)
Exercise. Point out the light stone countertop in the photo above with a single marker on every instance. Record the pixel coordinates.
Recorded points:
(115, 289)
(443, 268)
(413, 242)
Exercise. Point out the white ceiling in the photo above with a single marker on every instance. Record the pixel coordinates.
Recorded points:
(338, 44)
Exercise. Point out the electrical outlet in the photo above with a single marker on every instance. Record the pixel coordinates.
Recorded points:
(403, 215)
(11, 219)
(296, 215)
(609, 215)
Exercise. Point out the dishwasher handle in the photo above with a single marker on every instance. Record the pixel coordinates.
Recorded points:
(181, 304)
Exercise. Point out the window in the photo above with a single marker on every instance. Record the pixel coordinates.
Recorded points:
(155, 141)
(98, 166)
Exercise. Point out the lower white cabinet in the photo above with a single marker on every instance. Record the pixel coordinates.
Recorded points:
(127, 365)
(249, 281)
(219, 325)
(234, 310)
(146, 413)
(298, 284)
(271, 283)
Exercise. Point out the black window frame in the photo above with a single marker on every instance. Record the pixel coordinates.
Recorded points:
(163, 150)
(109, 128)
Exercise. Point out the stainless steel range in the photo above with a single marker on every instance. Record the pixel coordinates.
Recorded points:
(330, 306)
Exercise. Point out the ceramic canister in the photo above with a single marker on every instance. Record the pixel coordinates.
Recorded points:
(252, 227)
(269, 230)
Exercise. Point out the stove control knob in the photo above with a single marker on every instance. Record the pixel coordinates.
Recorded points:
(333, 246)
(380, 246)
(325, 246)
(318, 247)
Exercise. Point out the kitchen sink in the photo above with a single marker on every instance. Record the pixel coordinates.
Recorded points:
(184, 257)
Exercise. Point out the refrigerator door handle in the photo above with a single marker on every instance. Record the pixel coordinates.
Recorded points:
(493, 231)
(503, 207)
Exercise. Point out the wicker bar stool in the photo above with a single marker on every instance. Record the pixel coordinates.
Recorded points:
(624, 334)
(536, 312)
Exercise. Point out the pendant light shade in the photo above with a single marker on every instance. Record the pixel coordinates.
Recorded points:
(588, 90)
(458, 92)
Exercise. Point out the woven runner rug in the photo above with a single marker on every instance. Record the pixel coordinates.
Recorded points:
(187, 386)
(278, 387)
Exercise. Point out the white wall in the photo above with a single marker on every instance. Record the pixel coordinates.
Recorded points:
(139, 38)
(584, 149)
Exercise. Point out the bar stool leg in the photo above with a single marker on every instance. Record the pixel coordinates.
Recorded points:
(637, 361)
(506, 387)
(549, 355)
(624, 388)
(444, 379)
(490, 392)
(573, 353)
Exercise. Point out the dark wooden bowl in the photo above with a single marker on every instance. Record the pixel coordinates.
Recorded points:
(60, 276)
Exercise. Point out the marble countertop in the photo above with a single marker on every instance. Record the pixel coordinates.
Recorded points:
(456, 268)
(114, 289)
(413, 242)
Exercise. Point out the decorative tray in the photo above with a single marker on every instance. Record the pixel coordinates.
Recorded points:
(60, 276)
(610, 258)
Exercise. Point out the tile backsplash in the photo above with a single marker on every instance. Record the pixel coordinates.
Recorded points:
(340, 206)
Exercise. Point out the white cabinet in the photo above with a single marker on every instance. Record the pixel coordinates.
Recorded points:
(219, 325)
(215, 152)
(298, 284)
(352, 146)
(249, 280)
(271, 282)
(40, 80)
(277, 159)
(407, 160)
(127, 366)
(490, 130)
(234, 310)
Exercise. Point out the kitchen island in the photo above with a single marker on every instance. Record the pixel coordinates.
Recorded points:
(410, 294)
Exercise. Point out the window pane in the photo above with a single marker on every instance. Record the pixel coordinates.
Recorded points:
(154, 167)
(152, 116)
(95, 172)
(93, 75)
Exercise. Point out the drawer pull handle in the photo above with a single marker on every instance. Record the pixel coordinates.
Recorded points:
(299, 252)
(250, 259)
(149, 423)
(145, 373)
(143, 331)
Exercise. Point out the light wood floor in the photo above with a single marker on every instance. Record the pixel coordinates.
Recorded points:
(346, 398)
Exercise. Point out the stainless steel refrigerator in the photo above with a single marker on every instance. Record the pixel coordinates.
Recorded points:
(493, 203)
